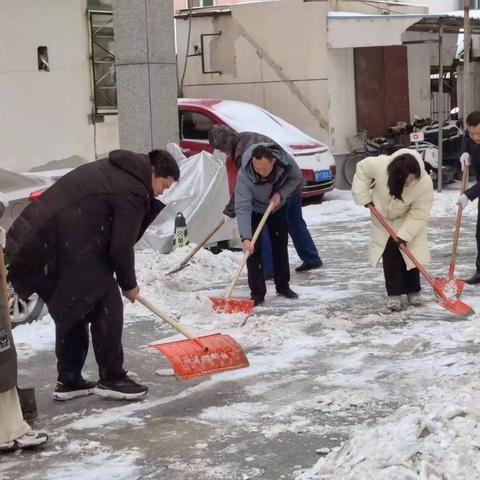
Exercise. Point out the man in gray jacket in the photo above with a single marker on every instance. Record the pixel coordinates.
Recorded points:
(267, 175)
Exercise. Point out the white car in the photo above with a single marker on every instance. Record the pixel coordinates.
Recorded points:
(16, 192)
(197, 116)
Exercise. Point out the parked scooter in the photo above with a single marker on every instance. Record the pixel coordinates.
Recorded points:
(428, 147)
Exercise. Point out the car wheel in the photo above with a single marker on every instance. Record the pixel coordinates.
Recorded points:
(22, 311)
(350, 166)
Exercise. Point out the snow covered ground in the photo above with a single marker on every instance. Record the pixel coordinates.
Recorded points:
(338, 388)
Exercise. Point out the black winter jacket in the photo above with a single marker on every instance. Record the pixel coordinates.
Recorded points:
(469, 146)
(67, 245)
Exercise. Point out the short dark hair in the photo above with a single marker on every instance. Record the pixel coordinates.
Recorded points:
(163, 164)
(399, 170)
(473, 119)
(261, 151)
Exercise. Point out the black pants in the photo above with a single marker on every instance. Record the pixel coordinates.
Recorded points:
(477, 263)
(278, 230)
(398, 279)
(106, 326)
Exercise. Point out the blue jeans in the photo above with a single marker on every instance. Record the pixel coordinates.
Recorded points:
(302, 240)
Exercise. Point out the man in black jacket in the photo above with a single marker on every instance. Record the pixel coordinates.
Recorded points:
(470, 154)
(69, 245)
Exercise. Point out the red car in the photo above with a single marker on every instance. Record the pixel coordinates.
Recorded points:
(197, 116)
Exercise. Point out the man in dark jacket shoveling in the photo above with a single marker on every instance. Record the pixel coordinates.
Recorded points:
(267, 175)
(69, 245)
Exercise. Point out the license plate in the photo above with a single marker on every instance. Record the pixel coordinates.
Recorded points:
(322, 175)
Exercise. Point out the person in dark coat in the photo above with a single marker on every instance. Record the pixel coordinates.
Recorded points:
(234, 145)
(470, 155)
(75, 248)
(15, 433)
(267, 176)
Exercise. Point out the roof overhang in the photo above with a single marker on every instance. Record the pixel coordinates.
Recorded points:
(185, 13)
(348, 29)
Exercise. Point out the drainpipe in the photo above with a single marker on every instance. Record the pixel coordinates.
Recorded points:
(441, 105)
(466, 60)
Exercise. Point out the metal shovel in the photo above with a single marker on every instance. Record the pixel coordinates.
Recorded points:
(227, 304)
(198, 356)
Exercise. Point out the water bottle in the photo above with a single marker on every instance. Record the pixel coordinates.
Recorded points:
(180, 233)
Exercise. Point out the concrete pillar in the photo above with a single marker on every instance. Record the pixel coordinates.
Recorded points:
(146, 73)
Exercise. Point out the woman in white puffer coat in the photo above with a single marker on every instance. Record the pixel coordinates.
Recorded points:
(402, 191)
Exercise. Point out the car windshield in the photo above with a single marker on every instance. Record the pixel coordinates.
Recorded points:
(10, 181)
(245, 117)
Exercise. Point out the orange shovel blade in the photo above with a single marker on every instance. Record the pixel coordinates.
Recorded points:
(203, 356)
(457, 307)
(451, 287)
(232, 305)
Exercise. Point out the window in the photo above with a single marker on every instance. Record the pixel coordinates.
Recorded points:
(103, 62)
(200, 3)
(195, 126)
(42, 57)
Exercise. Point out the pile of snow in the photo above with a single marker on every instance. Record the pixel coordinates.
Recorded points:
(35, 337)
(437, 441)
(444, 205)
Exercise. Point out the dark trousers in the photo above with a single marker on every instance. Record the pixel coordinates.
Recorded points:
(278, 232)
(106, 326)
(477, 263)
(398, 279)
(301, 238)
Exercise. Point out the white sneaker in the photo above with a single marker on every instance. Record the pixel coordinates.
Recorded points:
(394, 303)
(416, 299)
(31, 439)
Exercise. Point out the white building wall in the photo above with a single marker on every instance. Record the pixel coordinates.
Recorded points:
(273, 54)
(44, 114)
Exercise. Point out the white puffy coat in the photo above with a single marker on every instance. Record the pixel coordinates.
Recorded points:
(408, 217)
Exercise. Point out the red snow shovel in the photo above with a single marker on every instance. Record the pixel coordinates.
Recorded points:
(198, 356)
(184, 263)
(240, 305)
(453, 305)
(453, 286)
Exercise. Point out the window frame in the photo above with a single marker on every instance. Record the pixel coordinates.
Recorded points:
(100, 109)
(182, 113)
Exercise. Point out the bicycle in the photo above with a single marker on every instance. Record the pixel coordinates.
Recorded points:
(362, 147)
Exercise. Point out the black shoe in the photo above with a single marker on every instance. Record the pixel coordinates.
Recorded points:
(257, 300)
(123, 389)
(67, 392)
(474, 279)
(304, 267)
(287, 292)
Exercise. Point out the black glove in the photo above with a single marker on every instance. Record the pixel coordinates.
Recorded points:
(367, 205)
(401, 241)
(229, 209)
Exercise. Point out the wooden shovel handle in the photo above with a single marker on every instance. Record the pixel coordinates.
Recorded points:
(163, 316)
(209, 235)
(458, 223)
(404, 249)
(268, 211)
